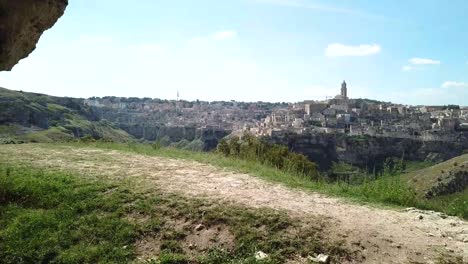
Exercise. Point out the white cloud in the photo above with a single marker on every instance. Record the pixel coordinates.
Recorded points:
(419, 64)
(423, 61)
(453, 84)
(224, 35)
(337, 50)
(407, 68)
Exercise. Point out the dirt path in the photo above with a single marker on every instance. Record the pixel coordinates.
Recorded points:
(382, 236)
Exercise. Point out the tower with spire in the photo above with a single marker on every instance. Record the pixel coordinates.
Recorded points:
(344, 90)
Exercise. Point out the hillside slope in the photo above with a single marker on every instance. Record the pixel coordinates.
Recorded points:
(31, 117)
(380, 235)
(441, 179)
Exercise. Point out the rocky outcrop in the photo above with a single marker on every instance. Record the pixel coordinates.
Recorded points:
(367, 152)
(152, 132)
(320, 148)
(209, 136)
(22, 22)
(371, 152)
(449, 182)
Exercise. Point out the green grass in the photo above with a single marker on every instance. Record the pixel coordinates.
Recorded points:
(425, 178)
(59, 118)
(7, 130)
(386, 191)
(53, 217)
(56, 217)
(452, 204)
(53, 134)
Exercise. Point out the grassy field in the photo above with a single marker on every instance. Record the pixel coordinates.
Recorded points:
(387, 190)
(57, 217)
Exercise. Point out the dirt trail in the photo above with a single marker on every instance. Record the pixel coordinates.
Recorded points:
(381, 235)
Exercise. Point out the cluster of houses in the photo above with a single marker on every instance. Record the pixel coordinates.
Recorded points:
(357, 117)
(229, 115)
(340, 114)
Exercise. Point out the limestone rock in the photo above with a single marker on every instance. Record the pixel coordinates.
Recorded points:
(199, 227)
(320, 258)
(21, 25)
(259, 255)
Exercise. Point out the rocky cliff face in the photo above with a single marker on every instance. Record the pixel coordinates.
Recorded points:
(320, 148)
(209, 136)
(22, 22)
(372, 151)
(153, 132)
(368, 152)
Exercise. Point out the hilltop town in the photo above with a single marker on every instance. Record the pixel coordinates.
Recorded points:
(339, 115)
(357, 117)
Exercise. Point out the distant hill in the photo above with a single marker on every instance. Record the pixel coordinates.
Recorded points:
(32, 117)
(441, 179)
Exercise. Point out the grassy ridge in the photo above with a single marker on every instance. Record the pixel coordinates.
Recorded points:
(57, 217)
(387, 190)
(31, 117)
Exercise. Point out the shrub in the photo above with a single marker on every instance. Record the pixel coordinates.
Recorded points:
(251, 148)
(223, 147)
(87, 139)
(181, 144)
(394, 166)
(234, 146)
(195, 145)
(164, 141)
(156, 145)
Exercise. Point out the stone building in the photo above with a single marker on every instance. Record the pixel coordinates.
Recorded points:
(344, 90)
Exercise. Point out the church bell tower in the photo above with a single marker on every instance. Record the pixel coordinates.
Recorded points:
(344, 90)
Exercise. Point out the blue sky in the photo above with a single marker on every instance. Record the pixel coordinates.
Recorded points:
(412, 52)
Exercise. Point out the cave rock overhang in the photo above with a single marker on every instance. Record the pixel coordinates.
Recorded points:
(22, 23)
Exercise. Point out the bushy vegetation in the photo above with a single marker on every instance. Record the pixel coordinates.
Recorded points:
(251, 148)
(195, 145)
(344, 172)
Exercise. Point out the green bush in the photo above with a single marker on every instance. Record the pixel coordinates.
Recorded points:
(87, 139)
(180, 144)
(195, 145)
(223, 147)
(251, 148)
(394, 166)
(156, 145)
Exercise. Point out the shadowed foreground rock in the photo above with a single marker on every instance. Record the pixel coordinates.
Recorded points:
(22, 22)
